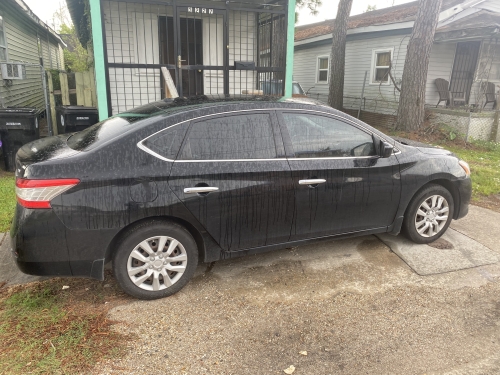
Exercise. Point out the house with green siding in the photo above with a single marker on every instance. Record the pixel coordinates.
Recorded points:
(26, 45)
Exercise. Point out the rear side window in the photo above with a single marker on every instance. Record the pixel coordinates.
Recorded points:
(167, 142)
(314, 136)
(231, 137)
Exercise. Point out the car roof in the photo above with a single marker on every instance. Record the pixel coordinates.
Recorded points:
(213, 105)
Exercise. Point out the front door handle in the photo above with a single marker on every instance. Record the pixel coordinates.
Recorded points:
(198, 190)
(315, 181)
(179, 61)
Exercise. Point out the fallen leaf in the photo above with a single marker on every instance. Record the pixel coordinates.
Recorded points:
(303, 352)
(289, 370)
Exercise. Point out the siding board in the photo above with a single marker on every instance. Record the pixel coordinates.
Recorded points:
(359, 59)
(22, 46)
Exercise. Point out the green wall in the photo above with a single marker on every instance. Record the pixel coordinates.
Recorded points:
(100, 69)
(290, 48)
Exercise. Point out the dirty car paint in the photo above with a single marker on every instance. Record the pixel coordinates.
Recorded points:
(259, 205)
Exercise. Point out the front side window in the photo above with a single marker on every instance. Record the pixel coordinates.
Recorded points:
(231, 137)
(323, 65)
(381, 65)
(3, 43)
(315, 136)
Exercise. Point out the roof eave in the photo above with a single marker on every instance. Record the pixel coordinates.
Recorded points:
(492, 31)
(25, 9)
(360, 30)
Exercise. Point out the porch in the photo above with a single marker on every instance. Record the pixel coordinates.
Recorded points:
(161, 49)
(469, 60)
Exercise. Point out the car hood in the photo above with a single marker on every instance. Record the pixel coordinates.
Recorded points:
(423, 147)
(434, 151)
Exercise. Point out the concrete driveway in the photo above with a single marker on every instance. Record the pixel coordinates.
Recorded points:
(369, 305)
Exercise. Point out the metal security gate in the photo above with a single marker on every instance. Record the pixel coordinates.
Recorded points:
(464, 67)
(202, 45)
(157, 49)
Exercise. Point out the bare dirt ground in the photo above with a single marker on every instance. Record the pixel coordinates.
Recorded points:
(353, 305)
(492, 202)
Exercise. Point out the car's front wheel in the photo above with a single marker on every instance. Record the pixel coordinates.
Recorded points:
(429, 214)
(155, 259)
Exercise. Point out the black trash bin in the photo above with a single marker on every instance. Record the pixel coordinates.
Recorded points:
(18, 126)
(73, 118)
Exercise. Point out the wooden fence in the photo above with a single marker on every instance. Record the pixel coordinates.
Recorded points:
(71, 89)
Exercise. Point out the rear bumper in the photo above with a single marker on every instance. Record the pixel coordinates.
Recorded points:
(464, 188)
(40, 244)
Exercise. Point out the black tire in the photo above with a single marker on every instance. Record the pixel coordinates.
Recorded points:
(410, 220)
(154, 232)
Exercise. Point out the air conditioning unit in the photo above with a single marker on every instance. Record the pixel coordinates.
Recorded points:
(13, 71)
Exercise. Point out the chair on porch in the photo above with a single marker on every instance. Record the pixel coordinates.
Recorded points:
(489, 92)
(445, 95)
(442, 88)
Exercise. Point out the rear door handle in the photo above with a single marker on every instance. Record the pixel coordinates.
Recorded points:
(197, 190)
(312, 182)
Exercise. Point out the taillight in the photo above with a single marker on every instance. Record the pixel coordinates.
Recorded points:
(39, 193)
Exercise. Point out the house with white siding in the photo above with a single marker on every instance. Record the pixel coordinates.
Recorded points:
(149, 50)
(27, 47)
(465, 53)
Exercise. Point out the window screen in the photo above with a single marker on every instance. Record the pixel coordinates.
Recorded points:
(315, 136)
(382, 65)
(323, 68)
(232, 137)
(168, 142)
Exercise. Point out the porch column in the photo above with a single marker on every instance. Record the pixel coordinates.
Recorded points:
(99, 58)
(290, 49)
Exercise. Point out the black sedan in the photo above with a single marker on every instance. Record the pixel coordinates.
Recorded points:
(170, 184)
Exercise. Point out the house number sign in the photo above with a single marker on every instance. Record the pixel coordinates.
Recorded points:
(200, 10)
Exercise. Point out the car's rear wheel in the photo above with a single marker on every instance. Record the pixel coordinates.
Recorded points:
(155, 259)
(429, 214)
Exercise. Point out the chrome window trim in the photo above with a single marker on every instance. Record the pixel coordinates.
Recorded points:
(223, 160)
(339, 158)
(141, 145)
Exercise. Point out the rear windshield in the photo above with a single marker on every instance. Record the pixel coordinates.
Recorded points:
(108, 129)
(98, 134)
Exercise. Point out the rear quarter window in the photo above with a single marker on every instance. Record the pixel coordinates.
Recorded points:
(167, 142)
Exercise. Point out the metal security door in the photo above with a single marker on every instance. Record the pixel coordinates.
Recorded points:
(202, 45)
(464, 68)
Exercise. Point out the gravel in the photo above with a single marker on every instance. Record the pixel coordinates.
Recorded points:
(353, 305)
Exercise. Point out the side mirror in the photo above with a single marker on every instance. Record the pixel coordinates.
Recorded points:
(386, 149)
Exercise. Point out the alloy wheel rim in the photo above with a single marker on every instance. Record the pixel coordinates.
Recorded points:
(157, 263)
(432, 216)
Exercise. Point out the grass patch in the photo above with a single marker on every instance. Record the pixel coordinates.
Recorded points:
(45, 329)
(484, 161)
(7, 200)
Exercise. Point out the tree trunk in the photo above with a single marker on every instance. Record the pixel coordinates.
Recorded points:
(411, 111)
(337, 57)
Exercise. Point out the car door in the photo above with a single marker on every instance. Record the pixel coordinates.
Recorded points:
(341, 185)
(233, 176)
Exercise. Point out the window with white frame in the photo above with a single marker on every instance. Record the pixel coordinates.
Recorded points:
(323, 69)
(381, 64)
(3, 42)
